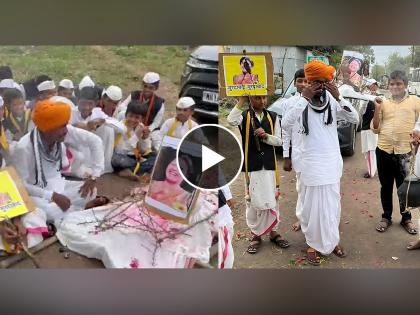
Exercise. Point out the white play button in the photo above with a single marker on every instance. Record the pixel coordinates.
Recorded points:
(209, 158)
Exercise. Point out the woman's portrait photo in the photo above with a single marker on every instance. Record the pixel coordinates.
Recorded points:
(246, 77)
(167, 185)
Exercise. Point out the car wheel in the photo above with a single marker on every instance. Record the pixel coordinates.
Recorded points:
(352, 148)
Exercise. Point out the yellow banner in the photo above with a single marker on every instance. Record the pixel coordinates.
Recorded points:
(249, 74)
(12, 195)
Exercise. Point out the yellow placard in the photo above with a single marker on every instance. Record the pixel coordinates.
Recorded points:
(14, 200)
(250, 74)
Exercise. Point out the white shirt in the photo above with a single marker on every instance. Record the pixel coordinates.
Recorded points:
(97, 113)
(235, 119)
(126, 144)
(181, 129)
(24, 156)
(286, 135)
(321, 161)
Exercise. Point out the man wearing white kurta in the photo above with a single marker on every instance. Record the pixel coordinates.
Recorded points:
(293, 137)
(93, 119)
(321, 161)
(41, 154)
(261, 173)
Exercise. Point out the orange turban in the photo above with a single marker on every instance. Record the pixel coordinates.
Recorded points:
(317, 70)
(49, 115)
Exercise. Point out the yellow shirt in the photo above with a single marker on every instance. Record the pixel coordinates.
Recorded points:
(397, 121)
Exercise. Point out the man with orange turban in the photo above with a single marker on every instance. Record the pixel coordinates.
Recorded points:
(41, 155)
(315, 115)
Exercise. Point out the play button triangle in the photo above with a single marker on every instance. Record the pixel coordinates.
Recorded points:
(209, 158)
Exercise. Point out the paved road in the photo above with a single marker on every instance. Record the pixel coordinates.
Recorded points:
(361, 211)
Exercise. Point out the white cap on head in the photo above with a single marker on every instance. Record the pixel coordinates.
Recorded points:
(62, 99)
(7, 84)
(1, 102)
(66, 83)
(46, 85)
(185, 102)
(21, 88)
(113, 92)
(86, 81)
(151, 77)
(369, 82)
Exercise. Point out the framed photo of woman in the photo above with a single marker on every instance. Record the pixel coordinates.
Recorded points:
(169, 194)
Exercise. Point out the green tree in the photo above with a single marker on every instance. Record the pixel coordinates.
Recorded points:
(398, 62)
(414, 56)
(378, 71)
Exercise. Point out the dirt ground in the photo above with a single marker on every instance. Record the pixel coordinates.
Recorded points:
(361, 211)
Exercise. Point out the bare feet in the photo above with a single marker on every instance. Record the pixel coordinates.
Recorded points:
(127, 173)
(414, 245)
(296, 226)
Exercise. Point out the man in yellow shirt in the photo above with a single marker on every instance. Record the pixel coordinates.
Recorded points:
(394, 121)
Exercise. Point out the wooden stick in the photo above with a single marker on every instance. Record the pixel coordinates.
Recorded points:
(6, 263)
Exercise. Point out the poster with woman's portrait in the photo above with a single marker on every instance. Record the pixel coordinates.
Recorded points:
(14, 199)
(241, 74)
(351, 68)
(169, 194)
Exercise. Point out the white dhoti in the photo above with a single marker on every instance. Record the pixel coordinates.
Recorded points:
(225, 234)
(35, 224)
(107, 134)
(262, 215)
(369, 143)
(320, 216)
(298, 191)
(70, 189)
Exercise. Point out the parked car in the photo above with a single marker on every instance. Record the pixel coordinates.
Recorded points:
(199, 80)
(346, 131)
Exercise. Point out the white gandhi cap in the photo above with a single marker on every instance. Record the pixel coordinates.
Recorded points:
(46, 85)
(185, 102)
(151, 77)
(86, 81)
(113, 92)
(66, 83)
(7, 84)
(369, 82)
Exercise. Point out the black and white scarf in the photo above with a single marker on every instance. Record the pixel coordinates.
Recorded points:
(325, 109)
(42, 152)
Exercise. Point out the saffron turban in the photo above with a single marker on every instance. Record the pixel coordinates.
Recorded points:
(49, 115)
(317, 70)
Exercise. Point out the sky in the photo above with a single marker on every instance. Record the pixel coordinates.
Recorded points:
(382, 52)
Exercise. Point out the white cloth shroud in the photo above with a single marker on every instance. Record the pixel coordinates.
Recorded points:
(119, 247)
